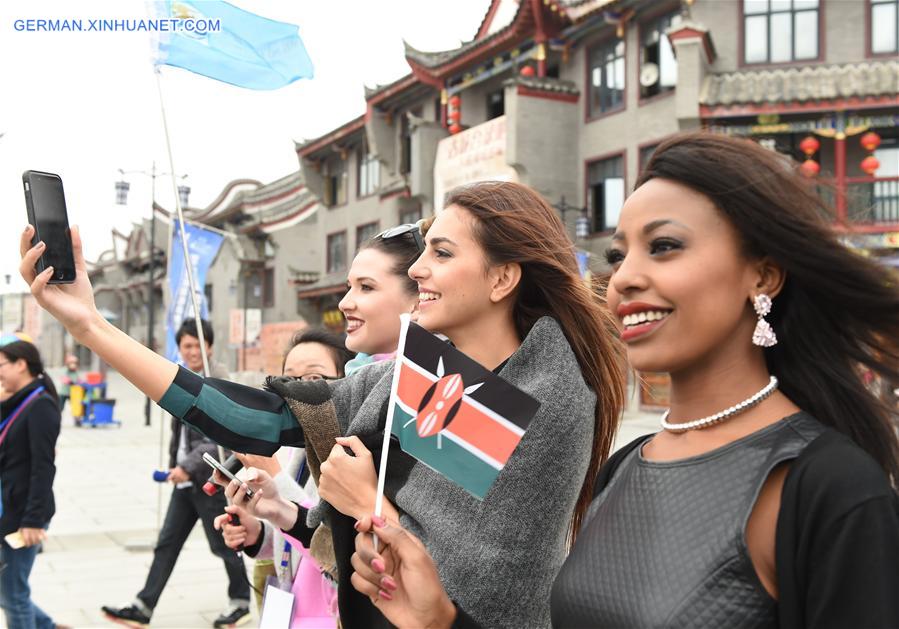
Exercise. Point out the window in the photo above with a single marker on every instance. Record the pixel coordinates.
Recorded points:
(207, 293)
(496, 103)
(406, 139)
(335, 183)
(884, 27)
(364, 232)
(409, 215)
(268, 288)
(646, 154)
(606, 77)
(779, 31)
(658, 67)
(369, 174)
(337, 252)
(886, 193)
(606, 194)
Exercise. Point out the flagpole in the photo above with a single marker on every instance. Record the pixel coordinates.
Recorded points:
(405, 318)
(188, 265)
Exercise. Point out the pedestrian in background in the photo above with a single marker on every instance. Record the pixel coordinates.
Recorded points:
(189, 503)
(69, 378)
(29, 427)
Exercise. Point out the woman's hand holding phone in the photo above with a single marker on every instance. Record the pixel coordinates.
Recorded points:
(266, 502)
(70, 304)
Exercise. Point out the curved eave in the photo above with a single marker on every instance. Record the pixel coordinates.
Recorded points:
(433, 67)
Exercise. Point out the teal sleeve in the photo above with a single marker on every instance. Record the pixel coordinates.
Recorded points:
(238, 417)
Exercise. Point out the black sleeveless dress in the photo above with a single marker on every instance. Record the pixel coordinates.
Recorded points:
(664, 543)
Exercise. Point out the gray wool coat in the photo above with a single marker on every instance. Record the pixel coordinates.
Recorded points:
(497, 558)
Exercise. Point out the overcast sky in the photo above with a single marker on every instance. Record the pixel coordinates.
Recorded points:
(85, 104)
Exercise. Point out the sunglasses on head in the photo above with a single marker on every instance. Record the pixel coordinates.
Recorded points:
(413, 229)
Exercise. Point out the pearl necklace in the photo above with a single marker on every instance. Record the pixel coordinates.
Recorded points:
(721, 416)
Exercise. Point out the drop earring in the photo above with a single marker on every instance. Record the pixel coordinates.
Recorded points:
(763, 335)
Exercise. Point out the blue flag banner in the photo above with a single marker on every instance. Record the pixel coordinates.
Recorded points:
(583, 262)
(228, 44)
(202, 245)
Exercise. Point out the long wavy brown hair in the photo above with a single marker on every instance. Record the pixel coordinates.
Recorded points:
(514, 224)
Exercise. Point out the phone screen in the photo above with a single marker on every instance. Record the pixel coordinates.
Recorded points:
(47, 207)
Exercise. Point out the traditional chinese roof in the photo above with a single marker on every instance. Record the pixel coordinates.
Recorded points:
(341, 133)
(328, 285)
(809, 83)
(576, 10)
(259, 208)
(430, 65)
(544, 84)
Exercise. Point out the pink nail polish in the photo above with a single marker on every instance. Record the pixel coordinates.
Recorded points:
(378, 566)
(388, 584)
(356, 526)
(378, 521)
(385, 595)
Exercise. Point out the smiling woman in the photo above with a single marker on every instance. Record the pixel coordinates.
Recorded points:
(726, 277)
(379, 291)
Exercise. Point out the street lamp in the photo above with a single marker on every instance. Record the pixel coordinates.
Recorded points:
(121, 197)
(581, 225)
(183, 193)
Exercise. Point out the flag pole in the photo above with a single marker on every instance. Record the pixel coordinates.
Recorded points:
(188, 265)
(405, 318)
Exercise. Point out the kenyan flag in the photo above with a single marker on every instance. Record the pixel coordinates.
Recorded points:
(452, 414)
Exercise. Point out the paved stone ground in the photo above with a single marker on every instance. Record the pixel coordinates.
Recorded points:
(99, 546)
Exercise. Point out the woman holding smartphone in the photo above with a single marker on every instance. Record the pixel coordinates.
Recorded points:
(29, 427)
(768, 498)
(500, 279)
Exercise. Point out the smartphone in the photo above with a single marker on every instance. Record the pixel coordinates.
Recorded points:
(15, 540)
(46, 205)
(214, 464)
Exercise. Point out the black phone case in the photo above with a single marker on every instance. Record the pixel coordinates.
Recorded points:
(29, 205)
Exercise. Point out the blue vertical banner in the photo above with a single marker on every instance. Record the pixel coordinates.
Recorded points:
(202, 246)
(583, 263)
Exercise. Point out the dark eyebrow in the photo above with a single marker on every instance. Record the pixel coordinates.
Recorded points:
(651, 227)
(654, 225)
(439, 240)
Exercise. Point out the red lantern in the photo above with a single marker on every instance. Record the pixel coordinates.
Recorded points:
(870, 141)
(809, 145)
(527, 71)
(870, 165)
(455, 127)
(455, 101)
(810, 168)
(455, 115)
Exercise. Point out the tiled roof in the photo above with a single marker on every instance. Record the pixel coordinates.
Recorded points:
(437, 59)
(544, 84)
(578, 9)
(823, 82)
